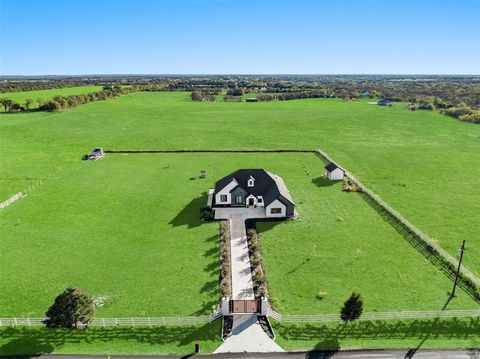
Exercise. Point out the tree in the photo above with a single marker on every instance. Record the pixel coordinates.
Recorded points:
(352, 308)
(40, 101)
(15, 106)
(70, 308)
(50, 106)
(28, 103)
(6, 103)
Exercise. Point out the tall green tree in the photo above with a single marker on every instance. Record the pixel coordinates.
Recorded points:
(352, 308)
(28, 103)
(6, 103)
(72, 307)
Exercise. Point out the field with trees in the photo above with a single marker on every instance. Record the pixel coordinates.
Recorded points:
(411, 159)
(45, 95)
(115, 226)
(129, 219)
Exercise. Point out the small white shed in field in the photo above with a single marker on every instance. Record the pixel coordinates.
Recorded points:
(333, 172)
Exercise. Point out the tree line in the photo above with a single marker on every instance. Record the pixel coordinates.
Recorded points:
(60, 102)
(456, 96)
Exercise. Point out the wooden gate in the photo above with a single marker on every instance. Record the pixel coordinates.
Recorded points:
(245, 306)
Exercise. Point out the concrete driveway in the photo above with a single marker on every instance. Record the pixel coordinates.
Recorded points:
(242, 285)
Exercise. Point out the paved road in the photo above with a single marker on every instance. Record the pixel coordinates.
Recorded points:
(356, 354)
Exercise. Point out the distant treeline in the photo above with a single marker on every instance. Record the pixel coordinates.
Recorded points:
(58, 103)
(461, 110)
(457, 96)
(21, 86)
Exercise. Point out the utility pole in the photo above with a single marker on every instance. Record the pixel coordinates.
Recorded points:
(461, 250)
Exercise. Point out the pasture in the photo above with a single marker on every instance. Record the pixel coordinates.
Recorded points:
(424, 164)
(127, 229)
(46, 95)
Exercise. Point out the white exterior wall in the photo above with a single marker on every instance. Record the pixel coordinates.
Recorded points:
(276, 204)
(336, 174)
(226, 190)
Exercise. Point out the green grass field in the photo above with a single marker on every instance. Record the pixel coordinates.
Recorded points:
(46, 95)
(128, 228)
(424, 164)
(423, 334)
(97, 341)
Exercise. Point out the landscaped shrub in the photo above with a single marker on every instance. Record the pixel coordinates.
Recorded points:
(225, 261)
(255, 253)
(207, 214)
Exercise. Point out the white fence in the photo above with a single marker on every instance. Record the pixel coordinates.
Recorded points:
(325, 318)
(12, 199)
(123, 322)
(453, 261)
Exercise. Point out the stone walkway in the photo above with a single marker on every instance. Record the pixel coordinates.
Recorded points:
(247, 335)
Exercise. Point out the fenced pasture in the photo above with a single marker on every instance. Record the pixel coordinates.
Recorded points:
(406, 157)
(132, 223)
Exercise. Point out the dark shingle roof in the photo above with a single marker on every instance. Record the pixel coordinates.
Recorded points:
(265, 185)
(331, 167)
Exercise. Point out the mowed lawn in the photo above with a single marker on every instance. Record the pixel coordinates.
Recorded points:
(124, 228)
(46, 95)
(127, 228)
(424, 164)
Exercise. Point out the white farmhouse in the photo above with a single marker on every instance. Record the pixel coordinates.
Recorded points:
(254, 188)
(333, 172)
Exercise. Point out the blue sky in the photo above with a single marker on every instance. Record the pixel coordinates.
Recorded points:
(269, 37)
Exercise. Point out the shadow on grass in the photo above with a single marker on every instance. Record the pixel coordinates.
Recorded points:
(417, 243)
(264, 225)
(323, 182)
(190, 215)
(31, 342)
(330, 336)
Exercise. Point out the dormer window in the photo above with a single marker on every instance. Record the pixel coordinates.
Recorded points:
(251, 182)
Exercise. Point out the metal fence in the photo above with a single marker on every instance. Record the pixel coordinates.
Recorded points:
(369, 316)
(423, 237)
(122, 322)
(12, 199)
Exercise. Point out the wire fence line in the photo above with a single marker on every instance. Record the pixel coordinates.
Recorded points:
(370, 316)
(120, 322)
(423, 237)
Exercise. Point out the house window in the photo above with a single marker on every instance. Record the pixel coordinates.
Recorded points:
(251, 182)
(259, 199)
(223, 198)
(238, 199)
(275, 210)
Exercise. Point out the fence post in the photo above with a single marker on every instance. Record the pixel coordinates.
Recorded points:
(149, 322)
(103, 322)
